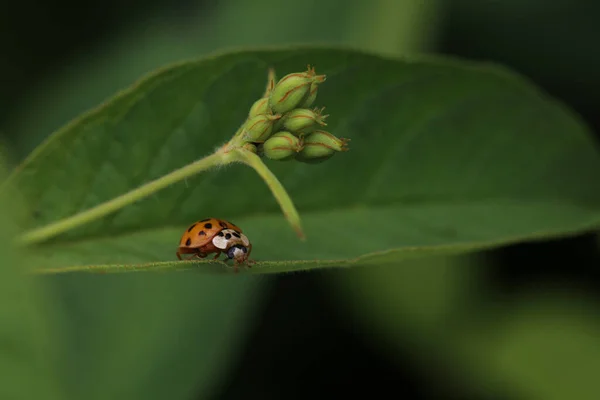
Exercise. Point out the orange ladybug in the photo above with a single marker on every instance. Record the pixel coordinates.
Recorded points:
(214, 235)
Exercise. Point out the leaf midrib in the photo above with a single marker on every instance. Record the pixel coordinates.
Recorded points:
(278, 266)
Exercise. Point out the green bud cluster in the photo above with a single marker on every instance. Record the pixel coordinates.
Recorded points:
(281, 125)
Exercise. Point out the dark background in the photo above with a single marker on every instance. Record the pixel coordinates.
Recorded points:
(307, 349)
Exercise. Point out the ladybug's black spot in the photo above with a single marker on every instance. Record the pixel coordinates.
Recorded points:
(191, 227)
(201, 233)
(221, 234)
(228, 236)
(237, 235)
(208, 226)
(223, 224)
(188, 242)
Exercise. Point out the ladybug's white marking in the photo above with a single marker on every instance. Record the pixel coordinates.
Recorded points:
(221, 241)
(237, 252)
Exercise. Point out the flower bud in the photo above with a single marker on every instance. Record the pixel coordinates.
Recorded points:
(250, 147)
(303, 120)
(278, 125)
(293, 90)
(326, 139)
(258, 128)
(312, 96)
(282, 146)
(260, 106)
(307, 158)
(320, 146)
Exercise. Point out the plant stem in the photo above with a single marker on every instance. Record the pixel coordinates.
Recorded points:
(226, 155)
(54, 229)
(277, 189)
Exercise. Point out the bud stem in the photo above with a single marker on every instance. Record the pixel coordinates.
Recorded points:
(277, 189)
(223, 156)
(108, 207)
(231, 152)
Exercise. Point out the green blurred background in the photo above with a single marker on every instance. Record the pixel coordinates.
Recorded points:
(522, 322)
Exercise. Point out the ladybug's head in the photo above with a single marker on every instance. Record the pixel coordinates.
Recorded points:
(237, 252)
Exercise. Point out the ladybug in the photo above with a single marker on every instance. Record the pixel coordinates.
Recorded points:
(214, 235)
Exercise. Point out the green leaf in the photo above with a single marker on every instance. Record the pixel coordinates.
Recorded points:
(152, 336)
(418, 308)
(426, 294)
(443, 313)
(446, 156)
(26, 331)
(545, 347)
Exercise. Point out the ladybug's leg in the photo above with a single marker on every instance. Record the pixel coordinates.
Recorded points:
(184, 258)
(249, 262)
(217, 255)
(200, 254)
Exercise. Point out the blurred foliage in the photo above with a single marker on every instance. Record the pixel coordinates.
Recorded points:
(439, 311)
(542, 346)
(150, 337)
(27, 334)
(552, 41)
(417, 309)
(544, 343)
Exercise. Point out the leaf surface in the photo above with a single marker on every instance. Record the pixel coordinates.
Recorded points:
(27, 325)
(446, 156)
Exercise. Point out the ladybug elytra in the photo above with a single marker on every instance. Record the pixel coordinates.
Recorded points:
(214, 235)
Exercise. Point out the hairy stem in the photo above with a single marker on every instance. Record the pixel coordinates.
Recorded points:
(101, 210)
(277, 189)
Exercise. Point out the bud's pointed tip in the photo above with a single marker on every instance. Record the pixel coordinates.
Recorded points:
(271, 78)
(345, 144)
